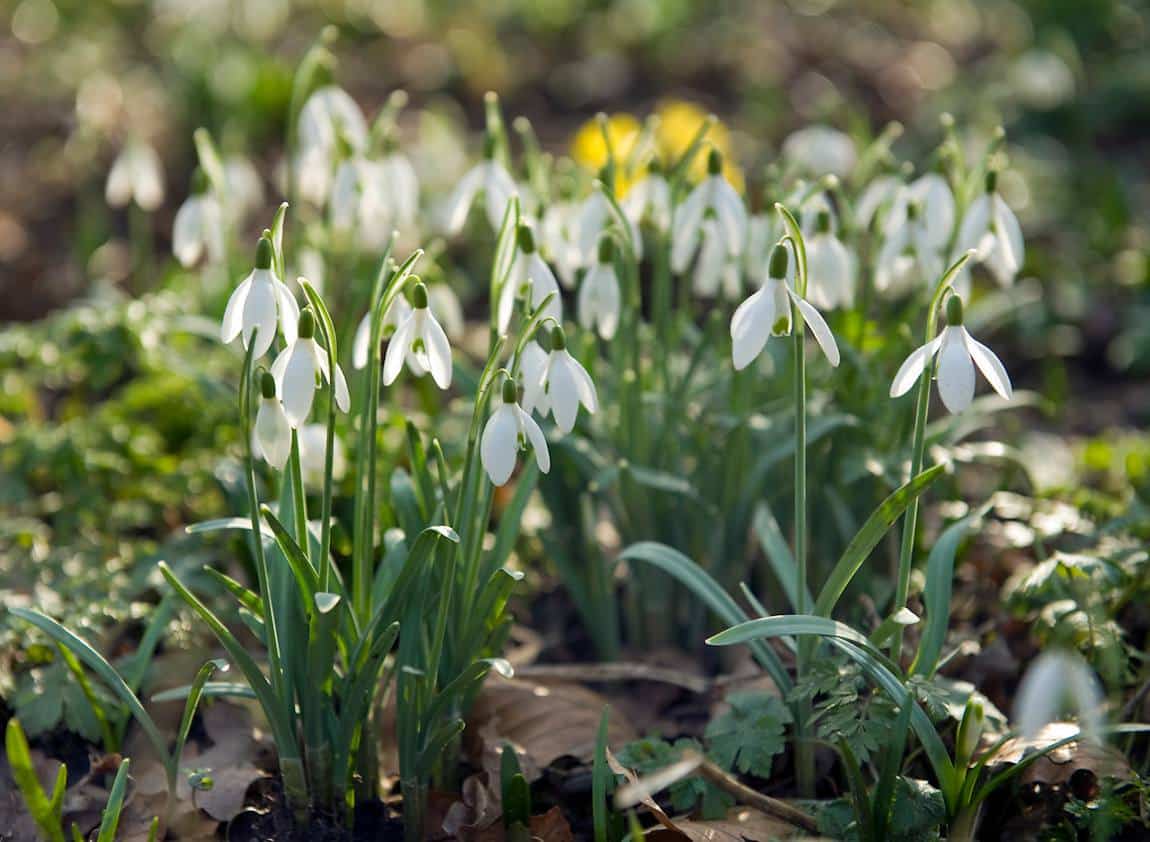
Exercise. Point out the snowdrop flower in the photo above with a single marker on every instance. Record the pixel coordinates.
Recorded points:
(767, 313)
(557, 230)
(258, 302)
(596, 219)
(650, 199)
(245, 189)
(328, 120)
(509, 430)
(272, 435)
(532, 365)
(958, 353)
(991, 229)
(716, 269)
(830, 268)
(397, 313)
(137, 175)
(821, 150)
(298, 370)
(566, 384)
(875, 199)
(917, 229)
(1054, 682)
(488, 177)
(312, 440)
(198, 227)
(398, 188)
(599, 299)
(530, 279)
(715, 196)
(421, 342)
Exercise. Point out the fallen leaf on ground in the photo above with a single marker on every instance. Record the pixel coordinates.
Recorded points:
(742, 824)
(1060, 764)
(544, 721)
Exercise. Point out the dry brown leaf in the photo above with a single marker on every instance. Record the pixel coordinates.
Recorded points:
(1058, 765)
(544, 721)
(742, 824)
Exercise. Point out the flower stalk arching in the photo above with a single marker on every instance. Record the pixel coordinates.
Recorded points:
(918, 450)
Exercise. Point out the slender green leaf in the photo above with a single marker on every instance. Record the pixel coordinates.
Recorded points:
(936, 595)
(110, 815)
(44, 811)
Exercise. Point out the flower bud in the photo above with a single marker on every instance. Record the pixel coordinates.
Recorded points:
(265, 251)
(991, 181)
(779, 261)
(526, 239)
(306, 324)
(199, 182)
(419, 296)
(954, 311)
(823, 222)
(969, 730)
(267, 384)
(510, 392)
(606, 249)
(714, 162)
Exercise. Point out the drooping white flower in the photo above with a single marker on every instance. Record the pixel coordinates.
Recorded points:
(397, 313)
(330, 121)
(557, 232)
(875, 199)
(830, 268)
(372, 198)
(599, 298)
(566, 383)
(261, 301)
(509, 430)
(530, 279)
(820, 150)
(716, 270)
(245, 188)
(490, 178)
(649, 199)
(299, 369)
(958, 353)
(594, 220)
(198, 227)
(532, 364)
(420, 341)
(713, 195)
(1055, 683)
(916, 230)
(992, 230)
(312, 440)
(136, 175)
(272, 434)
(767, 313)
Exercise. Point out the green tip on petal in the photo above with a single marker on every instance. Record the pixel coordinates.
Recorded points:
(823, 222)
(510, 391)
(714, 162)
(306, 324)
(779, 260)
(265, 251)
(419, 296)
(954, 311)
(606, 249)
(267, 384)
(558, 338)
(526, 239)
(991, 181)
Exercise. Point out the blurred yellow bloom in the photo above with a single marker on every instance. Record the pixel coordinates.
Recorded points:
(679, 122)
(588, 148)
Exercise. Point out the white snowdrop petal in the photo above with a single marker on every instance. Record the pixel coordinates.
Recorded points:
(188, 232)
(233, 321)
(975, 223)
(751, 327)
(685, 226)
(537, 439)
(361, 345)
(563, 392)
(297, 387)
(732, 216)
(499, 445)
(438, 352)
(583, 385)
(461, 198)
(288, 311)
(955, 371)
(260, 312)
(912, 367)
(819, 328)
(273, 432)
(397, 349)
(989, 364)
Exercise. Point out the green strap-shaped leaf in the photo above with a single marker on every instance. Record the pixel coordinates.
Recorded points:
(45, 811)
(939, 581)
(700, 583)
(867, 538)
(110, 815)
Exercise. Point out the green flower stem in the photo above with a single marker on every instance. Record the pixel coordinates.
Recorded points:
(804, 756)
(298, 498)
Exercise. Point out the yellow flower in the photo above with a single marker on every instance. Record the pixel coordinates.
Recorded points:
(679, 122)
(588, 148)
